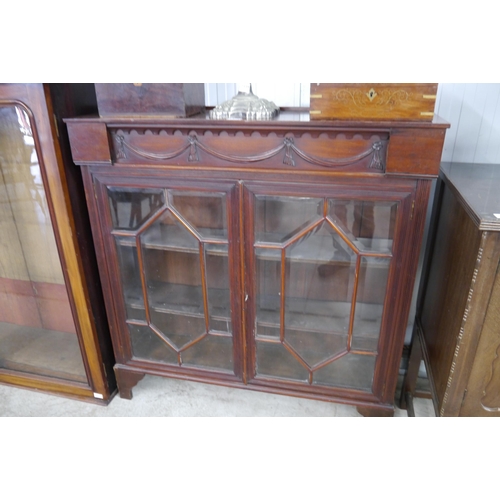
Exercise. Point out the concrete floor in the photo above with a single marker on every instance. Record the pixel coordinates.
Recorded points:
(162, 397)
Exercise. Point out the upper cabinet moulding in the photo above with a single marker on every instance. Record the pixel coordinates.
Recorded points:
(221, 132)
(319, 134)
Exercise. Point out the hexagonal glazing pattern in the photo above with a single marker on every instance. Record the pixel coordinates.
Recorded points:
(321, 266)
(174, 272)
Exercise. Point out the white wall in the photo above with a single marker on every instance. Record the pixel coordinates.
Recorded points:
(282, 94)
(472, 109)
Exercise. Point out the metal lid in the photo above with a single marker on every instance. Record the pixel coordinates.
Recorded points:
(245, 106)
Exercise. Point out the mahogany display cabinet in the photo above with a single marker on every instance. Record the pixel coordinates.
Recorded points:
(278, 256)
(54, 334)
(457, 326)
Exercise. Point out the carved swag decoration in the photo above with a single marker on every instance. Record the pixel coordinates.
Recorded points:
(288, 146)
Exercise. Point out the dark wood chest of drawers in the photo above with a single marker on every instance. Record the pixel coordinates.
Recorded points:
(458, 312)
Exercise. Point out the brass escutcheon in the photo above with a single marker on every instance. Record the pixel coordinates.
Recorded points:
(371, 94)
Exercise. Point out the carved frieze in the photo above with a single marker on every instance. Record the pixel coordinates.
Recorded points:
(372, 151)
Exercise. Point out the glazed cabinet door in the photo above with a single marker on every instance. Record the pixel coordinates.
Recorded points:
(38, 334)
(53, 333)
(171, 251)
(321, 277)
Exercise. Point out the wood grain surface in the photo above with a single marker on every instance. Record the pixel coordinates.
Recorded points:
(373, 101)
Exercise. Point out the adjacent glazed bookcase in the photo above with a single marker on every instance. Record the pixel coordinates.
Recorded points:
(276, 256)
(54, 335)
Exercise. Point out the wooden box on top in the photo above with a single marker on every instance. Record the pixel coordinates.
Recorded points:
(373, 101)
(173, 100)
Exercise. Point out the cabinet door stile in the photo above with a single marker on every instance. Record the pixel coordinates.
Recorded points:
(237, 280)
(282, 297)
(397, 299)
(415, 211)
(389, 323)
(92, 193)
(107, 260)
(250, 289)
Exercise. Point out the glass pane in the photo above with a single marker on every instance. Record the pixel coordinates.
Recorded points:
(276, 361)
(131, 207)
(147, 345)
(37, 329)
(352, 371)
(318, 291)
(218, 288)
(368, 224)
(174, 282)
(213, 352)
(206, 212)
(370, 303)
(179, 329)
(318, 294)
(168, 232)
(278, 218)
(172, 265)
(126, 250)
(268, 284)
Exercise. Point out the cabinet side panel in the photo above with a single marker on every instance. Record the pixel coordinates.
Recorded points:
(72, 100)
(472, 324)
(415, 151)
(451, 271)
(89, 142)
(483, 390)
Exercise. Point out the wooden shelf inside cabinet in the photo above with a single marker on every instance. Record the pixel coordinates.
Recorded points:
(171, 238)
(175, 239)
(276, 256)
(304, 315)
(184, 300)
(320, 251)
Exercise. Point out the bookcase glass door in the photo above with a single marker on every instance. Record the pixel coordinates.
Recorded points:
(172, 251)
(37, 329)
(322, 267)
